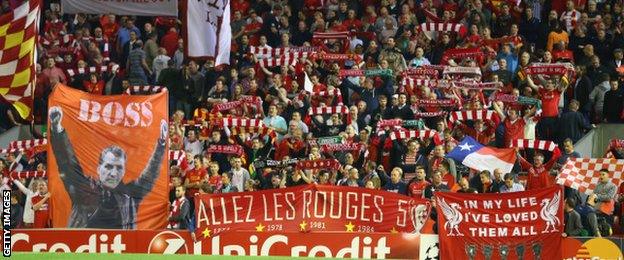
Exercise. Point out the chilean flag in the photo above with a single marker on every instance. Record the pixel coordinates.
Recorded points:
(476, 156)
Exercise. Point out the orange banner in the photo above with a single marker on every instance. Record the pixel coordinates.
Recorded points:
(107, 165)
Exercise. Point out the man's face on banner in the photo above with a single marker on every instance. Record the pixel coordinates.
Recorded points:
(111, 170)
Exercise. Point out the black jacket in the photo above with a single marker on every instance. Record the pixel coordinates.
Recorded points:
(613, 104)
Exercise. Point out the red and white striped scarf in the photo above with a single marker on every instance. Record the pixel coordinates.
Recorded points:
(478, 85)
(328, 110)
(414, 82)
(570, 18)
(244, 122)
(261, 131)
(28, 174)
(429, 114)
(429, 28)
(225, 149)
(343, 35)
(175, 211)
(63, 40)
(462, 70)
(409, 134)
(286, 59)
(10, 150)
(275, 52)
(473, 115)
(177, 155)
(330, 93)
(395, 124)
(436, 103)
(27, 144)
(341, 147)
(534, 144)
(99, 70)
(332, 164)
(421, 71)
(143, 90)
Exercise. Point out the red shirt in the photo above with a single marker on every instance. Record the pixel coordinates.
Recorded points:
(449, 180)
(94, 88)
(539, 177)
(242, 6)
(215, 181)
(195, 176)
(514, 130)
(417, 188)
(550, 102)
(42, 215)
(170, 43)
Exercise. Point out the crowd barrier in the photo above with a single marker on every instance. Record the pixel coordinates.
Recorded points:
(247, 243)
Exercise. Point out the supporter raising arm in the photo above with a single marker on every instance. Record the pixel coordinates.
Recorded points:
(538, 173)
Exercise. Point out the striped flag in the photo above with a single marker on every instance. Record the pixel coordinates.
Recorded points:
(583, 173)
(18, 38)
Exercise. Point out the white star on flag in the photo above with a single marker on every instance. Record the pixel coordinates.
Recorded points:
(466, 146)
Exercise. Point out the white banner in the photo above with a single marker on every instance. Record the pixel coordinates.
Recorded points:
(209, 34)
(122, 7)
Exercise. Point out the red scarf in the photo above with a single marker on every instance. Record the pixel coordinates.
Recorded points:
(332, 164)
(175, 211)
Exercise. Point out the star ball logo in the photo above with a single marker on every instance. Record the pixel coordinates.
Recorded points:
(167, 243)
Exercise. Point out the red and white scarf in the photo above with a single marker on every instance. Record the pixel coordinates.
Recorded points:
(429, 114)
(276, 52)
(225, 149)
(421, 71)
(473, 115)
(244, 122)
(328, 110)
(566, 69)
(227, 105)
(341, 147)
(462, 70)
(429, 28)
(28, 174)
(409, 134)
(27, 144)
(141, 90)
(99, 70)
(534, 144)
(414, 82)
(478, 85)
(331, 164)
(337, 56)
(343, 35)
(459, 54)
(436, 103)
(175, 211)
(289, 59)
(261, 131)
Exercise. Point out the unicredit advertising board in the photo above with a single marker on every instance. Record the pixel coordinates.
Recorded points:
(344, 245)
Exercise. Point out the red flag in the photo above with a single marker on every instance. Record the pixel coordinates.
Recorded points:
(517, 225)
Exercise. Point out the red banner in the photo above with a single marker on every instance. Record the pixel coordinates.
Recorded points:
(519, 225)
(107, 162)
(290, 244)
(310, 208)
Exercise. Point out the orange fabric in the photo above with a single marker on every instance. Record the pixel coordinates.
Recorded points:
(134, 124)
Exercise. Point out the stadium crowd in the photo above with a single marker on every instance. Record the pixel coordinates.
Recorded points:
(288, 80)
